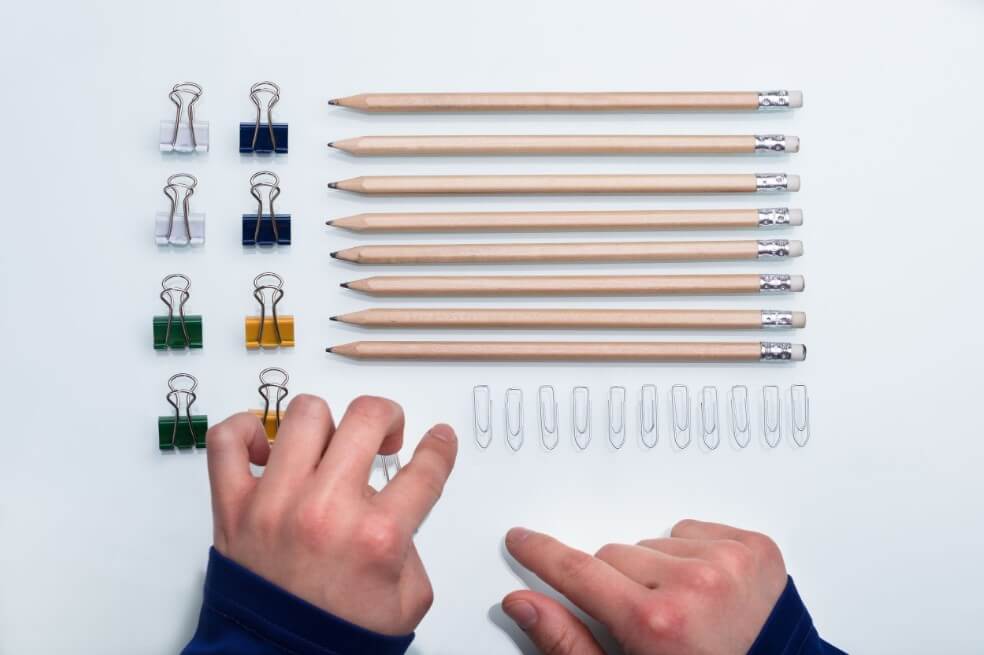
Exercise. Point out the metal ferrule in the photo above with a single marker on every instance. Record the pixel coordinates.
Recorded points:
(773, 217)
(771, 181)
(776, 352)
(770, 143)
(773, 99)
(775, 283)
(773, 248)
(775, 318)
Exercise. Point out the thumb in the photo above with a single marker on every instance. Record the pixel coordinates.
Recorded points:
(550, 625)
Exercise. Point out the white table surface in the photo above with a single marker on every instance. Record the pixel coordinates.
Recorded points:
(104, 540)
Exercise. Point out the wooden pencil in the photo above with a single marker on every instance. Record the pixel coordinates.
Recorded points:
(615, 144)
(541, 253)
(542, 319)
(572, 351)
(574, 285)
(554, 101)
(664, 219)
(571, 184)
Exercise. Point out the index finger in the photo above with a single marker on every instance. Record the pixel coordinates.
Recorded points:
(591, 584)
(371, 425)
(231, 446)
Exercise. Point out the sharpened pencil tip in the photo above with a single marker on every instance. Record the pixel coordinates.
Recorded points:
(329, 222)
(335, 254)
(332, 318)
(333, 185)
(344, 285)
(331, 144)
(329, 350)
(333, 101)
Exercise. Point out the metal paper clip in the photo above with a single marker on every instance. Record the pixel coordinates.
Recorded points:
(771, 415)
(680, 410)
(649, 415)
(176, 138)
(390, 465)
(171, 294)
(514, 418)
(741, 424)
(262, 228)
(274, 137)
(616, 416)
(581, 416)
(276, 295)
(799, 410)
(183, 398)
(179, 189)
(482, 410)
(549, 428)
(709, 433)
(272, 378)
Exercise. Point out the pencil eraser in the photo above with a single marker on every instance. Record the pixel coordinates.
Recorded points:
(793, 183)
(792, 144)
(795, 99)
(797, 283)
(795, 216)
(799, 319)
(795, 248)
(798, 353)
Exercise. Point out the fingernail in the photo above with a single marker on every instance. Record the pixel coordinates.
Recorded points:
(522, 613)
(443, 432)
(517, 535)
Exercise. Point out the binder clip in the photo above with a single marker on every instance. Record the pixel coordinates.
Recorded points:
(270, 379)
(271, 331)
(180, 226)
(261, 229)
(191, 136)
(186, 331)
(260, 137)
(179, 431)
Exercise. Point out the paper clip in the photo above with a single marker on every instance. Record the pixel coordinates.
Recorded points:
(549, 427)
(390, 465)
(799, 410)
(514, 418)
(709, 433)
(269, 331)
(616, 417)
(680, 410)
(581, 416)
(179, 431)
(649, 415)
(771, 415)
(186, 332)
(260, 137)
(176, 137)
(741, 424)
(265, 229)
(179, 226)
(270, 379)
(482, 409)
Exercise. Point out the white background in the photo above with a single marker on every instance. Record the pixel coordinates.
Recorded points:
(104, 540)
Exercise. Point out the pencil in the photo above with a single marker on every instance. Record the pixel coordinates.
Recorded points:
(541, 319)
(665, 219)
(572, 351)
(541, 253)
(607, 184)
(553, 101)
(575, 285)
(625, 144)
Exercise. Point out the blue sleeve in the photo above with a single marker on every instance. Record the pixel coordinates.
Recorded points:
(789, 629)
(244, 614)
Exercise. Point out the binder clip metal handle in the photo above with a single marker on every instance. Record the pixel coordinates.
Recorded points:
(254, 94)
(180, 187)
(195, 91)
(181, 398)
(276, 295)
(272, 378)
(172, 293)
(265, 180)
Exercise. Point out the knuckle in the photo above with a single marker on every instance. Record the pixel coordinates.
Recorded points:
(606, 552)
(682, 525)
(662, 620)
(764, 548)
(562, 642)
(264, 522)
(372, 408)
(426, 598)
(573, 564)
(734, 555)
(378, 538)
(706, 578)
(312, 524)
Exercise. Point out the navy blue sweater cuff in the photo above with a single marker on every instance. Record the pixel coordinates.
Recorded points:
(243, 613)
(789, 629)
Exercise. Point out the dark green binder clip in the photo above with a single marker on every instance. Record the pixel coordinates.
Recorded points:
(182, 431)
(181, 332)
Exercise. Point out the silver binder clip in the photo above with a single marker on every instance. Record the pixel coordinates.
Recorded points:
(581, 416)
(741, 426)
(799, 411)
(680, 414)
(514, 418)
(649, 415)
(616, 417)
(176, 136)
(180, 226)
(549, 428)
(482, 410)
(771, 415)
(709, 433)
(390, 465)
(272, 379)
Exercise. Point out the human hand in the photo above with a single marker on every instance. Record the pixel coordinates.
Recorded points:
(312, 525)
(707, 589)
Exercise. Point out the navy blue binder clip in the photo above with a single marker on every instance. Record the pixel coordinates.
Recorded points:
(258, 136)
(265, 229)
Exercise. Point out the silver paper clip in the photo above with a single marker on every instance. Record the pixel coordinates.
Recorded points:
(549, 428)
(799, 411)
(709, 433)
(179, 226)
(741, 424)
(482, 410)
(680, 410)
(514, 418)
(649, 415)
(272, 378)
(771, 415)
(581, 416)
(616, 416)
(176, 137)
(390, 465)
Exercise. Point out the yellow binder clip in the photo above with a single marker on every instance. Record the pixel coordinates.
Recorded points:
(271, 331)
(270, 379)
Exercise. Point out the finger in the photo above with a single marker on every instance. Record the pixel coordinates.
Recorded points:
(693, 529)
(418, 486)
(303, 434)
(231, 446)
(594, 586)
(550, 625)
(648, 567)
(370, 426)
(679, 547)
